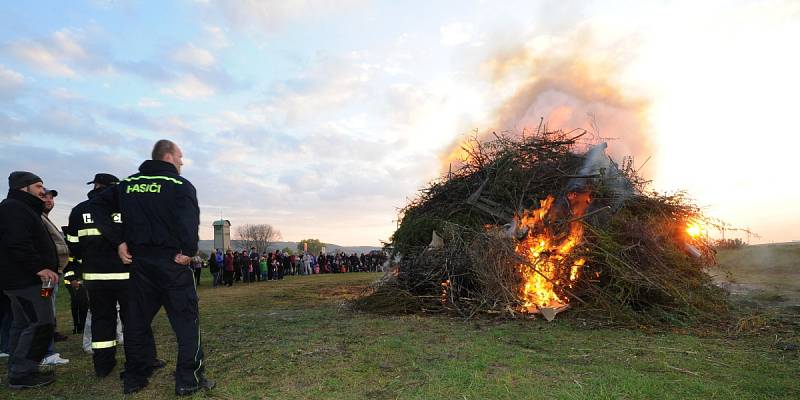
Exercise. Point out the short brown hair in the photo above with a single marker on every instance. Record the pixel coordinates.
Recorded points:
(162, 148)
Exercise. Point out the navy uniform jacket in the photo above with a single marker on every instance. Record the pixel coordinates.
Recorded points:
(159, 210)
(90, 243)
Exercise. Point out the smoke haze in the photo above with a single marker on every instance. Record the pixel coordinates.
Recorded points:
(571, 82)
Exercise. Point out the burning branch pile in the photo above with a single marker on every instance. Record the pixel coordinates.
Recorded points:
(538, 224)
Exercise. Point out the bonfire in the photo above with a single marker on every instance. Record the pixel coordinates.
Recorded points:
(538, 224)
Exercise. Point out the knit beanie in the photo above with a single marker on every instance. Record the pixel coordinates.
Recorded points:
(20, 179)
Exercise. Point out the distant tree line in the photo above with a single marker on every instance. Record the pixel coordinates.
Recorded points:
(729, 243)
(312, 246)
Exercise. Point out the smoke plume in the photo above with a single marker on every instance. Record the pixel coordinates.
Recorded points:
(566, 84)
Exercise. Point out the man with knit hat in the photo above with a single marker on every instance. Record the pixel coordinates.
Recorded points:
(29, 259)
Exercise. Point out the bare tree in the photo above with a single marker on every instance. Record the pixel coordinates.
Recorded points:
(260, 236)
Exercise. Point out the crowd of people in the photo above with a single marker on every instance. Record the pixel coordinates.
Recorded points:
(252, 266)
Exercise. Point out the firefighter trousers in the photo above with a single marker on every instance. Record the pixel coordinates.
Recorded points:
(103, 299)
(79, 304)
(156, 281)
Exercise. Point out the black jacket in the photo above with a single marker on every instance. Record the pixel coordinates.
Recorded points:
(159, 210)
(25, 245)
(90, 244)
(212, 263)
(238, 261)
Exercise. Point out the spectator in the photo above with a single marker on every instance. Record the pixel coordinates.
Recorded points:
(197, 265)
(214, 266)
(29, 260)
(254, 265)
(52, 357)
(307, 264)
(237, 266)
(229, 268)
(262, 267)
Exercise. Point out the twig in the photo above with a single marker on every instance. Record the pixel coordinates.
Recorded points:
(606, 208)
(685, 371)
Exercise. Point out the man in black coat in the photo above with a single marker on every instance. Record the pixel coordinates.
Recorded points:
(29, 259)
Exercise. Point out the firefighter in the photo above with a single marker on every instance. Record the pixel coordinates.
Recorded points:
(78, 295)
(105, 276)
(159, 239)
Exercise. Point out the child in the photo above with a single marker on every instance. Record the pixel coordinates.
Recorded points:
(262, 266)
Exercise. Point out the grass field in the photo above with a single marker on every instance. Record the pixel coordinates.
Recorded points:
(293, 340)
(767, 272)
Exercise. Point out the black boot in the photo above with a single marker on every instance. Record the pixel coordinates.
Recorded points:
(103, 371)
(34, 380)
(131, 384)
(204, 383)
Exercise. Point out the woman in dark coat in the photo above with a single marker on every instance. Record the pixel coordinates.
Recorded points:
(228, 272)
(237, 266)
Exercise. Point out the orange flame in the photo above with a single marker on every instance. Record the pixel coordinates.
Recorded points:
(550, 268)
(694, 229)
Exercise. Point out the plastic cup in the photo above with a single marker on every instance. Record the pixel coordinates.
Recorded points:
(47, 287)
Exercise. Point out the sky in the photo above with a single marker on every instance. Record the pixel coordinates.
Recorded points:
(323, 118)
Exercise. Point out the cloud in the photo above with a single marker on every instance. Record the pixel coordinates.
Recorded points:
(190, 73)
(189, 87)
(192, 55)
(11, 83)
(41, 58)
(271, 15)
(10, 127)
(186, 72)
(66, 121)
(65, 94)
(148, 102)
(216, 37)
(62, 54)
(152, 125)
(456, 34)
(328, 90)
(149, 70)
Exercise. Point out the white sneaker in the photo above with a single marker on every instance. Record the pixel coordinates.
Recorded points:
(54, 359)
(3, 355)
